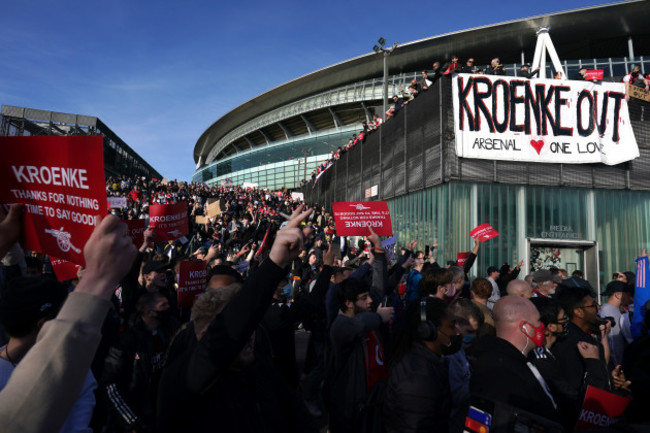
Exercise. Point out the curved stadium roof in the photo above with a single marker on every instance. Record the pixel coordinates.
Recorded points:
(603, 32)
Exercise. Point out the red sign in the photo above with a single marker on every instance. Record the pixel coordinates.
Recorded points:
(191, 281)
(484, 232)
(600, 409)
(136, 231)
(61, 182)
(169, 221)
(63, 269)
(461, 258)
(595, 74)
(353, 218)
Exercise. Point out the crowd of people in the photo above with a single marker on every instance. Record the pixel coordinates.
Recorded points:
(397, 341)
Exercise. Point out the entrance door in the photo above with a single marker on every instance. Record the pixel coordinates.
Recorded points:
(569, 255)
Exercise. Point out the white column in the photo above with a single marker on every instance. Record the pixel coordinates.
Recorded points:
(522, 252)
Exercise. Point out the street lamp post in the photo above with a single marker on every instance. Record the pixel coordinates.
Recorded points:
(386, 52)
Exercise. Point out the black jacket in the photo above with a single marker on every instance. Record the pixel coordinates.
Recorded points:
(418, 398)
(500, 372)
(280, 322)
(345, 392)
(253, 399)
(130, 378)
(575, 369)
(569, 399)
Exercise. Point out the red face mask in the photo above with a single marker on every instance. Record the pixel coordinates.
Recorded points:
(538, 336)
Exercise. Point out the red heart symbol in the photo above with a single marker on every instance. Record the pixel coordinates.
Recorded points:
(537, 145)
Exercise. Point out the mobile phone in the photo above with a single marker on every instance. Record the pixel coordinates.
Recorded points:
(427, 250)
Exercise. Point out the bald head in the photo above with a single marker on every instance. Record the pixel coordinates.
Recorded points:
(509, 312)
(520, 288)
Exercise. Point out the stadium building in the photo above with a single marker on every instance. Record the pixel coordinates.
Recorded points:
(119, 157)
(592, 217)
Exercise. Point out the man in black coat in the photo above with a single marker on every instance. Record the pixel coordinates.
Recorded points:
(501, 371)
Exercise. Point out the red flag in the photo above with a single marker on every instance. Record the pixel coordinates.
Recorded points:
(169, 221)
(484, 232)
(264, 245)
(61, 182)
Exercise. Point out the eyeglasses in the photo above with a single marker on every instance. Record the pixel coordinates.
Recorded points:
(470, 61)
(590, 306)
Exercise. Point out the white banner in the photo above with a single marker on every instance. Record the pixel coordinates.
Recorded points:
(556, 121)
(297, 196)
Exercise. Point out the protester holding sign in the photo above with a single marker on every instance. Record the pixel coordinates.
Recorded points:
(52, 373)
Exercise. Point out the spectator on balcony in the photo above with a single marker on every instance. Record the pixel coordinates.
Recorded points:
(525, 71)
(398, 102)
(495, 68)
(415, 85)
(425, 82)
(453, 66)
(631, 79)
(469, 67)
(436, 74)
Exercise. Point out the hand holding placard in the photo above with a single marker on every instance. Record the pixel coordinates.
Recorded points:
(109, 254)
(10, 227)
(484, 232)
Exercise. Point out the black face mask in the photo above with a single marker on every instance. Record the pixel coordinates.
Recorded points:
(563, 333)
(455, 343)
(164, 315)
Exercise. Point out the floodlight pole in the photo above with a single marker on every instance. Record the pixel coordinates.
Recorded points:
(385, 91)
(386, 52)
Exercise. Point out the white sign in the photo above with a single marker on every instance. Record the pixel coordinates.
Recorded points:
(116, 202)
(555, 121)
(297, 196)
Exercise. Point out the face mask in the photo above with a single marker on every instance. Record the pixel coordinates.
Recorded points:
(469, 338)
(455, 343)
(565, 330)
(164, 315)
(538, 333)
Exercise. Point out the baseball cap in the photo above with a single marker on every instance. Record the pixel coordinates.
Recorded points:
(542, 275)
(25, 300)
(616, 286)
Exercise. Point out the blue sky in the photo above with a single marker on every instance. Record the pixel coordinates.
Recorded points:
(158, 73)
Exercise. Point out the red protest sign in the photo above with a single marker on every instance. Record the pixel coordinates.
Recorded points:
(353, 218)
(61, 182)
(484, 232)
(595, 74)
(600, 409)
(461, 258)
(191, 281)
(136, 231)
(169, 221)
(63, 269)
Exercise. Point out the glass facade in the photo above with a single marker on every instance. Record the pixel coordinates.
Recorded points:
(619, 220)
(278, 165)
